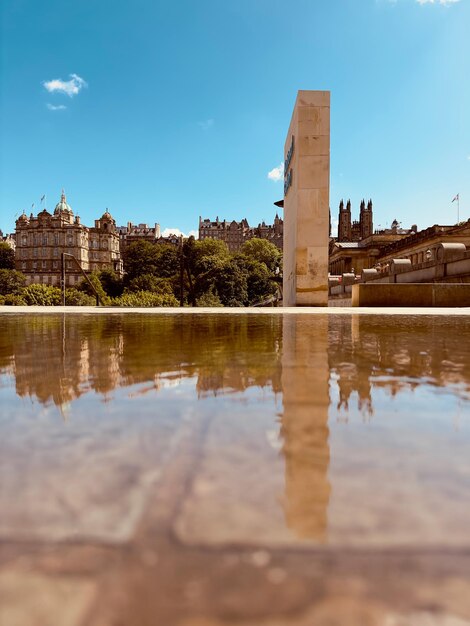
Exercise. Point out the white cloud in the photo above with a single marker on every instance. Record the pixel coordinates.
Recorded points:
(276, 173)
(206, 124)
(53, 107)
(70, 87)
(444, 2)
(176, 231)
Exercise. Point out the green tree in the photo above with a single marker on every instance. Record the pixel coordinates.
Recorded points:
(204, 260)
(260, 286)
(11, 282)
(263, 251)
(143, 257)
(94, 278)
(111, 282)
(7, 257)
(140, 257)
(230, 281)
(168, 260)
(149, 282)
(210, 248)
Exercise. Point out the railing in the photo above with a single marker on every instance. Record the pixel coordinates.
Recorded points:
(63, 270)
(451, 264)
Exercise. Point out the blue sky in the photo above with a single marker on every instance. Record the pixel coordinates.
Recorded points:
(164, 110)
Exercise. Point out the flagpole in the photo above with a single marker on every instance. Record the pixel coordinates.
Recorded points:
(458, 208)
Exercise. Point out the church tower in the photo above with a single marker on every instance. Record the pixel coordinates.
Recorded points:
(344, 222)
(365, 219)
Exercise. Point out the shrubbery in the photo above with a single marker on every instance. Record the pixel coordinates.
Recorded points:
(145, 299)
(74, 297)
(209, 299)
(42, 295)
(13, 299)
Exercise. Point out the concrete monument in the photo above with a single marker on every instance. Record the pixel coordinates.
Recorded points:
(306, 201)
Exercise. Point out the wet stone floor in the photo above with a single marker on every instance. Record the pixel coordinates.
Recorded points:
(258, 470)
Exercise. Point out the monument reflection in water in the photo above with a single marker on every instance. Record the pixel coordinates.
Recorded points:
(332, 429)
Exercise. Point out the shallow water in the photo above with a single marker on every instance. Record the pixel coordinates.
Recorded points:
(317, 431)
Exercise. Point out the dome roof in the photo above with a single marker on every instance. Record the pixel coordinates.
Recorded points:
(107, 216)
(23, 217)
(62, 206)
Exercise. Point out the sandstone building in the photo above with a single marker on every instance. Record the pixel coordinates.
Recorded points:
(358, 246)
(356, 230)
(138, 232)
(41, 240)
(143, 232)
(236, 233)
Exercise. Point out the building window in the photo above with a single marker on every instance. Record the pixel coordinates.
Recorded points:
(54, 264)
(23, 265)
(35, 252)
(56, 252)
(44, 265)
(25, 240)
(56, 239)
(35, 240)
(44, 251)
(44, 239)
(70, 241)
(35, 265)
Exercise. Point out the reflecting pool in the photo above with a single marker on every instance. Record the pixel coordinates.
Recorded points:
(257, 432)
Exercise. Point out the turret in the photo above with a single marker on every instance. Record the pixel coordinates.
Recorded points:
(365, 219)
(344, 221)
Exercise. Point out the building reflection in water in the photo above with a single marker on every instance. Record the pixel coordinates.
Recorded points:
(304, 425)
(57, 359)
(398, 353)
(320, 365)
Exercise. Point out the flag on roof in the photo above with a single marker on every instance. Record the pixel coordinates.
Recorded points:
(456, 198)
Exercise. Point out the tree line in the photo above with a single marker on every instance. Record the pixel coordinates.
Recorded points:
(197, 273)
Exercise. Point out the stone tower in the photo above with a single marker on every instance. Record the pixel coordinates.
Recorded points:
(306, 201)
(365, 219)
(344, 222)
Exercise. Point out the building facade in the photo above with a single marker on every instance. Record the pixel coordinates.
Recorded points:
(41, 240)
(143, 232)
(422, 247)
(138, 232)
(234, 233)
